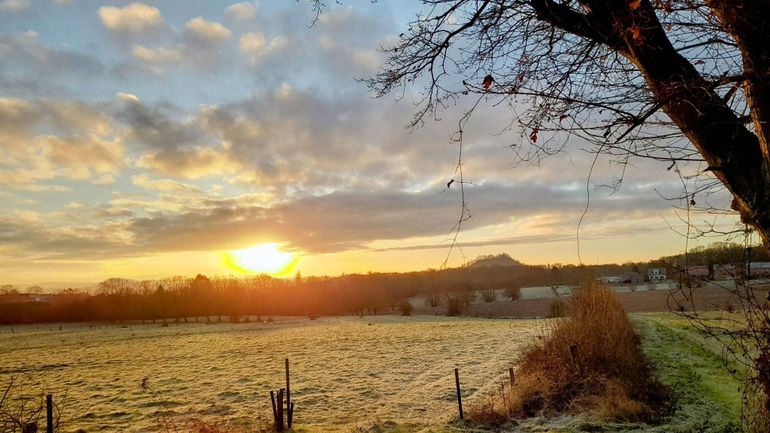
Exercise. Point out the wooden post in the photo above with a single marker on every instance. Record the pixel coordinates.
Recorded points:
(459, 393)
(279, 405)
(30, 427)
(289, 405)
(291, 415)
(513, 378)
(275, 410)
(573, 351)
(49, 413)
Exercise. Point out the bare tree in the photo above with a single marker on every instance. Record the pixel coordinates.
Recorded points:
(684, 82)
(672, 80)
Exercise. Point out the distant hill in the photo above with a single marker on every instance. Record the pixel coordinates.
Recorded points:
(495, 260)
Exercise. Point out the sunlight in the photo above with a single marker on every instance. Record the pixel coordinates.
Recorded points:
(263, 259)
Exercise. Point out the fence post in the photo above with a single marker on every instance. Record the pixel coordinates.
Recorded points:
(289, 405)
(459, 393)
(573, 351)
(275, 410)
(513, 377)
(49, 413)
(279, 405)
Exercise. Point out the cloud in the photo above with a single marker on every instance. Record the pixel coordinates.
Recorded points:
(256, 49)
(14, 5)
(133, 19)
(352, 220)
(49, 139)
(207, 33)
(147, 182)
(127, 97)
(156, 59)
(105, 179)
(79, 156)
(252, 43)
(23, 54)
(241, 12)
(200, 45)
(190, 163)
(172, 146)
(36, 239)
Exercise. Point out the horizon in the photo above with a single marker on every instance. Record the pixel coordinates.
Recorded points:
(144, 140)
(52, 286)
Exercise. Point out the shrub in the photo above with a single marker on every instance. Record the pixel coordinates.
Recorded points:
(611, 378)
(489, 295)
(557, 308)
(433, 300)
(513, 292)
(405, 308)
(454, 304)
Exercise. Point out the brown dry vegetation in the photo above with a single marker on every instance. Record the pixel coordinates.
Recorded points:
(612, 379)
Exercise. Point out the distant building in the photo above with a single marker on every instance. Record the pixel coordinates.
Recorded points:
(611, 279)
(656, 274)
(698, 271)
(725, 271)
(632, 277)
(759, 269)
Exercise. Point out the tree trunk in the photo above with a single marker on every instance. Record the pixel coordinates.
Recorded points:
(738, 157)
(733, 152)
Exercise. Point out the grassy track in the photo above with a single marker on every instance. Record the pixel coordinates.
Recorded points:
(708, 397)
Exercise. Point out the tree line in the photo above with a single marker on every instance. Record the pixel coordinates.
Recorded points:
(212, 298)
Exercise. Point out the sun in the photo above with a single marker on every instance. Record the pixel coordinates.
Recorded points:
(262, 259)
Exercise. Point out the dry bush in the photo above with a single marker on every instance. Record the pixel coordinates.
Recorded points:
(557, 308)
(513, 292)
(612, 380)
(454, 303)
(405, 308)
(489, 295)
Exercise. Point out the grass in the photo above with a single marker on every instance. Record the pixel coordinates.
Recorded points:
(591, 362)
(706, 397)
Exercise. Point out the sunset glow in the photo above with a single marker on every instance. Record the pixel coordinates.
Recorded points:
(262, 259)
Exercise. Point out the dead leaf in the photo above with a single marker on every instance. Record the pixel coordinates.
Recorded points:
(487, 83)
(533, 135)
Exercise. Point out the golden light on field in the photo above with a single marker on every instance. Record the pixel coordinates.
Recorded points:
(262, 259)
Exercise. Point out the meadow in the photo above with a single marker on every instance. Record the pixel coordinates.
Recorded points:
(371, 374)
(347, 373)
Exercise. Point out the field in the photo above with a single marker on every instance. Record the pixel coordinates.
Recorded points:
(349, 374)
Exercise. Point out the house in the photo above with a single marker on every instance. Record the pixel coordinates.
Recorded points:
(656, 274)
(725, 271)
(698, 271)
(631, 277)
(759, 269)
(611, 279)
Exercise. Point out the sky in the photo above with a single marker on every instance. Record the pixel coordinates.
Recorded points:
(143, 140)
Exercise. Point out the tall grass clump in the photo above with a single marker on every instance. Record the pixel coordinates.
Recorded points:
(610, 379)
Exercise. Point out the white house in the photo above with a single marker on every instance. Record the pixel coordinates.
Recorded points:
(656, 274)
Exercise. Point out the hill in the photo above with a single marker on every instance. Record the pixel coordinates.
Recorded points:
(495, 260)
